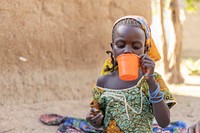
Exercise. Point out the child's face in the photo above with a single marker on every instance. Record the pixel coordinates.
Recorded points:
(128, 39)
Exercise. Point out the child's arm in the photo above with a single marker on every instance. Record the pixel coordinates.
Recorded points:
(160, 108)
(95, 116)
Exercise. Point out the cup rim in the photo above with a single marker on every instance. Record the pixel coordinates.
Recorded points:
(128, 54)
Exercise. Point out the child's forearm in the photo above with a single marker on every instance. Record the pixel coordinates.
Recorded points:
(160, 109)
(161, 113)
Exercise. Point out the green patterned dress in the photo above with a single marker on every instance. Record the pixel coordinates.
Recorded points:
(129, 108)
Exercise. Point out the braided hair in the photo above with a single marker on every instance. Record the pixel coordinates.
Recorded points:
(127, 21)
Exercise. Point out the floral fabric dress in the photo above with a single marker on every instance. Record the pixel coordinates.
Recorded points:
(128, 110)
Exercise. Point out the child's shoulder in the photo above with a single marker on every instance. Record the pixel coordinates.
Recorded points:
(101, 81)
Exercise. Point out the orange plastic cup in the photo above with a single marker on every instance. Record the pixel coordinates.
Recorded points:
(128, 66)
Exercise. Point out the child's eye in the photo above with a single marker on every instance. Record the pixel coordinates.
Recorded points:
(136, 46)
(120, 44)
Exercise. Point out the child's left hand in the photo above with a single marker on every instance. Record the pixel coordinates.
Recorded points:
(147, 64)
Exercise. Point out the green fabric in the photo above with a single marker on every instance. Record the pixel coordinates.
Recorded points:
(113, 108)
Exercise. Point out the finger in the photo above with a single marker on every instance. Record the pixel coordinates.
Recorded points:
(94, 110)
(99, 121)
(144, 56)
(141, 56)
(143, 69)
(95, 118)
(147, 57)
(148, 67)
(100, 118)
(89, 116)
(148, 61)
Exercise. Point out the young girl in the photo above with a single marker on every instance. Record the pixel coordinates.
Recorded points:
(130, 106)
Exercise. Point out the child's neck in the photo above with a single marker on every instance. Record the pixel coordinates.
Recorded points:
(114, 82)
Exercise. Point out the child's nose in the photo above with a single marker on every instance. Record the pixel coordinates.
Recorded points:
(128, 49)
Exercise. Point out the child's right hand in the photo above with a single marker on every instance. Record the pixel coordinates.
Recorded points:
(95, 117)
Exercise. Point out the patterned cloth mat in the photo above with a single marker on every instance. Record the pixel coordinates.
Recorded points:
(77, 125)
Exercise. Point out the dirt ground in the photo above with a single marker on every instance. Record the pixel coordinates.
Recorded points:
(24, 118)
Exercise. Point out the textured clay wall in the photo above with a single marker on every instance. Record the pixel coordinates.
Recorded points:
(54, 49)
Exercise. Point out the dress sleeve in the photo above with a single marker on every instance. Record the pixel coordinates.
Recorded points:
(96, 93)
(168, 98)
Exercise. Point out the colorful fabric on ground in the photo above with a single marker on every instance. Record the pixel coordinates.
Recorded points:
(174, 127)
(77, 125)
(68, 124)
